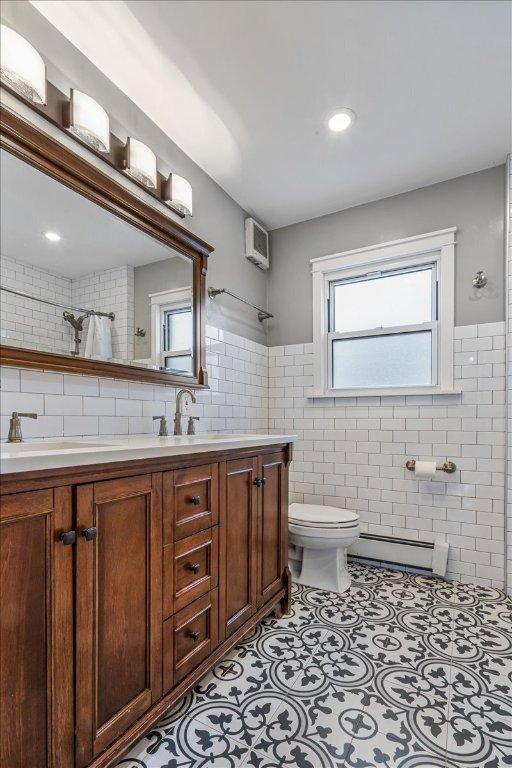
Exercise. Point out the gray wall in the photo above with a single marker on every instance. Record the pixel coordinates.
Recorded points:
(152, 278)
(217, 218)
(473, 203)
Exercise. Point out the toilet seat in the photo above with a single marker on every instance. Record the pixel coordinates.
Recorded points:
(319, 516)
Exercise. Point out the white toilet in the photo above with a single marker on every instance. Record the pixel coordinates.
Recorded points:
(324, 534)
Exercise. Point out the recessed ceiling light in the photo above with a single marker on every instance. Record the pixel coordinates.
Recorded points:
(53, 236)
(341, 120)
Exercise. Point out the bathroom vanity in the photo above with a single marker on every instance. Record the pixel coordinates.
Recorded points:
(129, 569)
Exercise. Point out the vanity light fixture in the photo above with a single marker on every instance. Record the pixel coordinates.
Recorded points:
(89, 121)
(341, 119)
(140, 162)
(21, 67)
(53, 237)
(177, 194)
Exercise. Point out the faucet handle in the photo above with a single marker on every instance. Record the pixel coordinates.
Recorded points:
(162, 432)
(191, 426)
(15, 435)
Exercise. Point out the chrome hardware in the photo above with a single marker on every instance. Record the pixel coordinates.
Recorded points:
(479, 280)
(68, 537)
(447, 466)
(162, 432)
(15, 435)
(179, 414)
(194, 635)
(78, 325)
(90, 533)
(191, 429)
(262, 313)
(195, 500)
(194, 567)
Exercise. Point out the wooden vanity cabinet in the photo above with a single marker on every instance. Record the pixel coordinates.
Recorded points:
(118, 608)
(121, 587)
(36, 630)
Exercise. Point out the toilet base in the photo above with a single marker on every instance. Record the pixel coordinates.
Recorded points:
(325, 569)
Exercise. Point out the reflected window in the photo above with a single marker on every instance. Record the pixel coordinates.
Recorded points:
(172, 337)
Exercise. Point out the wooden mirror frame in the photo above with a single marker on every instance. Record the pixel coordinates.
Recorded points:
(40, 150)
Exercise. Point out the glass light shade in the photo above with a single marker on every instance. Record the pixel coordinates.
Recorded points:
(21, 67)
(89, 121)
(178, 194)
(140, 162)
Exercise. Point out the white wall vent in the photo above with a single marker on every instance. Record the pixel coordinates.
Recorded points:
(256, 244)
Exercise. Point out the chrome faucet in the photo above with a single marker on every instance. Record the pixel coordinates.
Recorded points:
(177, 416)
(15, 435)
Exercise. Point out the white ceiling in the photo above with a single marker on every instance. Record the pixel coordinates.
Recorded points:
(92, 238)
(245, 88)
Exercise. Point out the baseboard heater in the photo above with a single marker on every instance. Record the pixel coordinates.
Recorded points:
(409, 552)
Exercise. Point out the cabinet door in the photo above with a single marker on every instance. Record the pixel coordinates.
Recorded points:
(272, 526)
(36, 641)
(119, 608)
(238, 543)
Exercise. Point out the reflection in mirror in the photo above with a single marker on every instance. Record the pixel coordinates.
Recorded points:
(77, 280)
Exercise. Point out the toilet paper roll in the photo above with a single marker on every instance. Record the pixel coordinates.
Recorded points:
(424, 469)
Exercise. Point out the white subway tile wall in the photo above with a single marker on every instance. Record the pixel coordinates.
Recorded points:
(110, 290)
(508, 524)
(26, 323)
(71, 406)
(351, 452)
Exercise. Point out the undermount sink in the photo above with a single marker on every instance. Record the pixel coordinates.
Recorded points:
(57, 445)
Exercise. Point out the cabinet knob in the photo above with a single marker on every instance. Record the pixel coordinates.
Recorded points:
(194, 567)
(258, 482)
(194, 635)
(89, 533)
(195, 500)
(68, 537)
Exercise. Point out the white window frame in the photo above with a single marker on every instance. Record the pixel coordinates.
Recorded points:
(161, 302)
(432, 248)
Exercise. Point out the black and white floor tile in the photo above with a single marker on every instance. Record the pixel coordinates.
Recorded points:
(402, 671)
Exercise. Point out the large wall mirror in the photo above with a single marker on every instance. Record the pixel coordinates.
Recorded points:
(93, 279)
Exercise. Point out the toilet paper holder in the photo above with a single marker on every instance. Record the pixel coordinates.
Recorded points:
(447, 466)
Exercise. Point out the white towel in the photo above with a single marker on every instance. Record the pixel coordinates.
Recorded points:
(99, 337)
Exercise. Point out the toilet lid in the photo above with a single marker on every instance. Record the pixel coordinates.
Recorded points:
(320, 516)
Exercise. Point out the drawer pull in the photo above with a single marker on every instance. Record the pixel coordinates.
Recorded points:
(195, 500)
(194, 635)
(89, 533)
(194, 567)
(68, 537)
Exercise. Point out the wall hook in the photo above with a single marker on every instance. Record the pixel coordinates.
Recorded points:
(480, 280)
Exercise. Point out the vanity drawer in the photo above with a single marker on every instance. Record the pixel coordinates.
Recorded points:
(190, 569)
(189, 637)
(191, 501)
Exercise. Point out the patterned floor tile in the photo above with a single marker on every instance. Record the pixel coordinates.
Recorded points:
(480, 718)
(188, 743)
(401, 671)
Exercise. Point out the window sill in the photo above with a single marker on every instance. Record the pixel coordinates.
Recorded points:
(381, 392)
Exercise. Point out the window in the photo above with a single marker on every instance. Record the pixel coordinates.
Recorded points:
(172, 330)
(383, 318)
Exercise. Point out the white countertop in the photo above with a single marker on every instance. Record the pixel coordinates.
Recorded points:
(74, 452)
